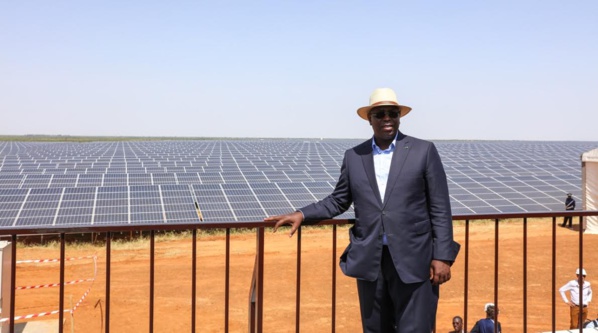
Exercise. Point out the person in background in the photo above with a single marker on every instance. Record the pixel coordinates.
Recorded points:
(457, 325)
(574, 304)
(401, 245)
(486, 325)
(569, 205)
(591, 323)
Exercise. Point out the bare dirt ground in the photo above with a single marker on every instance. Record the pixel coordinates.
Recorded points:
(129, 306)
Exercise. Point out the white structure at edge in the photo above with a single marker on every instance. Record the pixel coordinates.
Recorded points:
(589, 188)
(5, 284)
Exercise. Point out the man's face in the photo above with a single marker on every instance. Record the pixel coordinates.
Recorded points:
(457, 324)
(492, 311)
(385, 122)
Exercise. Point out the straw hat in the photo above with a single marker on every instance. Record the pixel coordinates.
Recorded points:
(382, 96)
(583, 272)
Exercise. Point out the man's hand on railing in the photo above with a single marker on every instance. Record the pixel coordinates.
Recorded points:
(294, 220)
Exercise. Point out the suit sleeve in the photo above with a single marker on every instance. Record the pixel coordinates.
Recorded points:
(334, 204)
(439, 208)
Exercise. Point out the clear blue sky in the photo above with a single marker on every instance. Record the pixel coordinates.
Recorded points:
(506, 70)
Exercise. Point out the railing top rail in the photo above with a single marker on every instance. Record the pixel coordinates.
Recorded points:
(6, 231)
(34, 230)
(502, 216)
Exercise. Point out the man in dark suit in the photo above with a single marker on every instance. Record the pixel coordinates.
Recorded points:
(569, 205)
(401, 246)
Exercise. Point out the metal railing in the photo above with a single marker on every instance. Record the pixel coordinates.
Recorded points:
(255, 304)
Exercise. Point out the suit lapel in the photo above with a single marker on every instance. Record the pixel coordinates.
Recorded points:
(368, 165)
(396, 166)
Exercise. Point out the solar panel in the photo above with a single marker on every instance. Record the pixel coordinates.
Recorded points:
(159, 181)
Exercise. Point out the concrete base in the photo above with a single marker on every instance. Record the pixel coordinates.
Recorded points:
(585, 330)
(38, 326)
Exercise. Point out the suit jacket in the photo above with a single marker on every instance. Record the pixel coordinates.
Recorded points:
(570, 204)
(485, 326)
(415, 213)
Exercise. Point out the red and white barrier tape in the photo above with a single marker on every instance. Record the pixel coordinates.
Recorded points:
(42, 314)
(95, 272)
(52, 260)
(29, 316)
(82, 298)
(52, 284)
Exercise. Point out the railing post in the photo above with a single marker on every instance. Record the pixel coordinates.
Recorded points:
(525, 275)
(227, 282)
(193, 278)
(298, 284)
(580, 279)
(256, 293)
(496, 274)
(553, 266)
(333, 278)
(466, 275)
(108, 244)
(151, 280)
(61, 291)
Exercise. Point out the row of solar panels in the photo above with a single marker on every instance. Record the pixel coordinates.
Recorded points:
(87, 180)
(485, 195)
(44, 184)
(219, 202)
(154, 204)
(116, 179)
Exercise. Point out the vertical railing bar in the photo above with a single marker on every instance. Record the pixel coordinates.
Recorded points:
(227, 282)
(298, 279)
(108, 246)
(466, 275)
(151, 284)
(252, 295)
(61, 289)
(525, 275)
(253, 292)
(496, 274)
(13, 281)
(333, 278)
(580, 279)
(260, 282)
(553, 277)
(193, 278)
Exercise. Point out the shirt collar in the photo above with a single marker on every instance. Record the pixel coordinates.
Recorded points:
(390, 149)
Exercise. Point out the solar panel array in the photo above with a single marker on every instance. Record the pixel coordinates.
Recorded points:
(111, 183)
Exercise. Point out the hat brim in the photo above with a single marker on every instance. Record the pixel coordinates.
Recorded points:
(363, 112)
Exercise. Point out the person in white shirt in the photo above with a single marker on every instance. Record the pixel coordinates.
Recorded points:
(575, 305)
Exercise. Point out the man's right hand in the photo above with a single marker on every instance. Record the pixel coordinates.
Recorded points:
(294, 220)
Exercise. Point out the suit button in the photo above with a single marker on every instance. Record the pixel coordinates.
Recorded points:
(383, 213)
